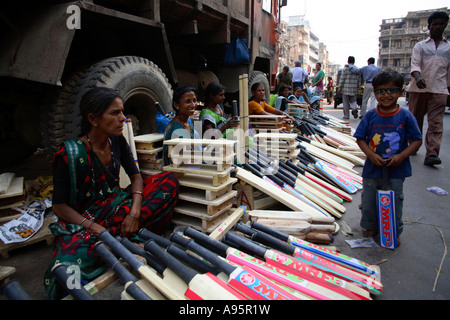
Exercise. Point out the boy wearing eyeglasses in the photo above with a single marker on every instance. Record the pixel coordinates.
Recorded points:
(388, 135)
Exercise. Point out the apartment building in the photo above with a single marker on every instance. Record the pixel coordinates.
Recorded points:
(299, 42)
(398, 38)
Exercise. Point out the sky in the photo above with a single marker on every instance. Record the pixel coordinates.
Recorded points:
(352, 27)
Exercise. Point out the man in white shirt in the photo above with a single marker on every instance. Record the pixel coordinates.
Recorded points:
(430, 71)
(299, 76)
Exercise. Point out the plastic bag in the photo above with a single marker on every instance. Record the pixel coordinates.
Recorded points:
(438, 191)
(236, 52)
(162, 122)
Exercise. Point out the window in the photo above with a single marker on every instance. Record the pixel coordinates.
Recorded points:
(267, 5)
(385, 44)
(415, 23)
(396, 62)
(397, 44)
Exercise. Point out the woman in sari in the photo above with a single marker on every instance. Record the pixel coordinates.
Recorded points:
(87, 197)
(318, 80)
(215, 125)
(184, 103)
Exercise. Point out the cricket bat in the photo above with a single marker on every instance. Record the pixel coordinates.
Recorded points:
(387, 222)
(170, 292)
(299, 268)
(311, 256)
(131, 282)
(242, 279)
(200, 286)
(75, 288)
(266, 269)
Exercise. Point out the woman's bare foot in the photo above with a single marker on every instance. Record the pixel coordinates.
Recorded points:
(369, 233)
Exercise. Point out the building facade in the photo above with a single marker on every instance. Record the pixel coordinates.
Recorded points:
(398, 38)
(299, 42)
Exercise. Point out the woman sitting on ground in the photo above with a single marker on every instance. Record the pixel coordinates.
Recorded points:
(184, 103)
(281, 103)
(257, 106)
(212, 115)
(299, 96)
(87, 197)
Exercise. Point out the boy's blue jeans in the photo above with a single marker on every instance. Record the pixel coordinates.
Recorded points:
(369, 217)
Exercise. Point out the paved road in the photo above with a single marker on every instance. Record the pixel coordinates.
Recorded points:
(408, 273)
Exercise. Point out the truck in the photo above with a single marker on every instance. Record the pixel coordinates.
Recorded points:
(52, 52)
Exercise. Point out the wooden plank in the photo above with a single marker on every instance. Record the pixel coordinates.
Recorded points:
(200, 169)
(227, 224)
(285, 198)
(198, 196)
(204, 212)
(15, 189)
(204, 182)
(203, 225)
(5, 181)
(201, 142)
(148, 141)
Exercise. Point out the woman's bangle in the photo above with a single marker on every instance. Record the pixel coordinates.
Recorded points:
(133, 216)
(81, 223)
(138, 192)
(92, 221)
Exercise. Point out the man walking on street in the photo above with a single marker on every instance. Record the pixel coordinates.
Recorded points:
(349, 84)
(299, 76)
(368, 73)
(430, 65)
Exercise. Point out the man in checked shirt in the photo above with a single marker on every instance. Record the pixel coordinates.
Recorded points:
(349, 84)
(430, 65)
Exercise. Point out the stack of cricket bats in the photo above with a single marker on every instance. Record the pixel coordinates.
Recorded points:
(251, 262)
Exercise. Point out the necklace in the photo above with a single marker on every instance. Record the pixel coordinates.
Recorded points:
(110, 148)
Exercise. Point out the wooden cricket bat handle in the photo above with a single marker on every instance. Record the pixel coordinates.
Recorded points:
(114, 263)
(246, 244)
(151, 261)
(203, 252)
(216, 246)
(184, 272)
(77, 290)
(121, 251)
(271, 231)
(160, 240)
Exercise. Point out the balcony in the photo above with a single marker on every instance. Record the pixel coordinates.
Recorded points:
(394, 51)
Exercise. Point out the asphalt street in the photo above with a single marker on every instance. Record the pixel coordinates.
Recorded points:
(407, 273)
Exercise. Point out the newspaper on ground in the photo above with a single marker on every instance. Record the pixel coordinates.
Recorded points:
(23, 228)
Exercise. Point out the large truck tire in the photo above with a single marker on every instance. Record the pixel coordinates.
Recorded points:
(139, 81)
(259, 77)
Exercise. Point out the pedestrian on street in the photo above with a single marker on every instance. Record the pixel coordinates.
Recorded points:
(330, 90)
(318, 79)
(299, 76)
(284, 78)
(349, 84)
(368, 73)
(428, 91)
(387, 135)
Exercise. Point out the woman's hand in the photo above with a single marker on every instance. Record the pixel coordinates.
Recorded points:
(130, 224)
(233, 123)
(95, 228)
